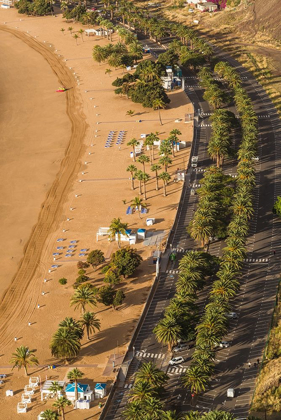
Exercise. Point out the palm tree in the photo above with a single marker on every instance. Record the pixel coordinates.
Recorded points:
(81, 31)
(75, 36)
(155, 168)
(56, 388)
(139, 176)
(167, 331)
(141, 391)
(138, 203)
(149, 373)
(130, 112)
(84, 295)
(132, 169)
(70, 29)
(23, 357)
(108, 71)
(165, 177)
(65, 343)
(99, 54)
(90, 323)
(62, 30)
(61, 404)
(149, 141)
(171, 415)
(173, 137)
(143, 177)
(134, 142)
(49, 415)
(159, 104)
(143, 159)
(117, 228)
(134, 411)
(195, 379)
(74, 375)
(165, 161)
(72, 325)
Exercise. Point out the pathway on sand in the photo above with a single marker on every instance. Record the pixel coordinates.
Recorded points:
(21, 296)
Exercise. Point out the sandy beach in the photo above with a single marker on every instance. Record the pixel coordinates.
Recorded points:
(76, 127)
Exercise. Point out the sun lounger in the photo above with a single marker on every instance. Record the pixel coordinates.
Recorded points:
(82, 255)
(73, 242)
(68, 255)
(60, 247)
(60, 240)
(129, 210)
(3, 376)
(143, 210)
(84, 250)
(54, 266)
(71, 246)
(56, 253)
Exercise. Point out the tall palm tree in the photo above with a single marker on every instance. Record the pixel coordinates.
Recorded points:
(90, 323)
(81, 31)
(62, 30)
(60, 405)
(49, 415)
(83, 296)
(143, 177)
(65, 344)
(165, 161)
(143, 159)
(159, 104)
(74, 375)
(134, 411)
(155, 168)
(173, 137)
(138, 203)
(75, 36)
(167, 331)
(134, 142)
(141, 391)
(56, 388)
(72, 325)
(152, 375)
(149, 141)
(117, 228)
(165, 177)
(132, 169)
(130, 112)
(23, 357)
(195, 379)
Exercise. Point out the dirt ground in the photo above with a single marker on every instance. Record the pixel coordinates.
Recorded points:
(92, 110)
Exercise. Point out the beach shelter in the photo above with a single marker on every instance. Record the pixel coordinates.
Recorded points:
(84, 392)
(21, 408)
(47, 393)
(100, 390)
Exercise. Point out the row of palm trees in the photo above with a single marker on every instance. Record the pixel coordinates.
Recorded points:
(214, 322)
(181, 314)
(214, 207)
(167, 148)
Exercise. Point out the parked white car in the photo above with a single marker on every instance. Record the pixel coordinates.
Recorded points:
(176, 360)
(181, 347)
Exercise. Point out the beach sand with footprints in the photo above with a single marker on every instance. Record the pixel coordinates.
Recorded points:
(48, 139)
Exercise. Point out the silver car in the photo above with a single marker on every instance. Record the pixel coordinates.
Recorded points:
(176, 360)
(180, 347)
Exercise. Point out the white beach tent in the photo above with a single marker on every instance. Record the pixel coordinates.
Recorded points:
(89, 32)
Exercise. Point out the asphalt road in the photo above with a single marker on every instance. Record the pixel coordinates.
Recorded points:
(255, 301)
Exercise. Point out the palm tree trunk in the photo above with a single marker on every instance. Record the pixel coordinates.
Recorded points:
(62, 414)
(157, 186)
(118, 239)
(88, 335)
(76, 391)
(160, 117)
(132, 180)
(25, 370)
(144, 191)
(152, 152)
(134, 153)
(140, 187)
(164, 189)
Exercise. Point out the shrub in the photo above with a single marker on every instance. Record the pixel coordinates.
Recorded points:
(82, 264)
(106, 295)
(63, 280)
(81, 271)
(126, 260)
(118, 300)
(95, 257)
(81, 279)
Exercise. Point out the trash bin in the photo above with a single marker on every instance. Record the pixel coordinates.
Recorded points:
(230, 393)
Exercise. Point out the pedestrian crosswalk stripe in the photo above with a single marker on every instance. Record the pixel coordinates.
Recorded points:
(140, 353)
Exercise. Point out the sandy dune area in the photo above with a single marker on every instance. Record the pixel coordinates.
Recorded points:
(80, 123)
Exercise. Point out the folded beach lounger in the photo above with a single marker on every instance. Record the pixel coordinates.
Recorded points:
(129, 210)
(143, 210)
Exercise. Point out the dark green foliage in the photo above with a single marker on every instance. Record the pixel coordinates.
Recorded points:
(95, 257)
(106, 295)
(81, 272)
(37, 7)
(125, 79)
(63, 280)
(277, 207)
(76, 13)
(82, 264)
(168, 58)
(81, 279)
(118, 300)
(126, 260)
(112, 275)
